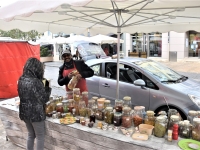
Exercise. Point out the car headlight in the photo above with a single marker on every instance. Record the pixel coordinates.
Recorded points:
(195, 99)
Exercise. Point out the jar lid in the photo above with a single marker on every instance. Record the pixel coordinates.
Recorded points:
(162, 113)
(84, 92)
(76, 89)
(109, 108)
(117, 114)
(196, 120)
(100, 100)
(107, 101)
(142, 107)
(95, 98)
(186, 121)
(174, 117)
(59, 104)
(127, 98)
(150, 112)
(126, 109)
(137, 108)
(71, 100)
(65, 101)
(160, 118)
(47, 103)
(193, 113)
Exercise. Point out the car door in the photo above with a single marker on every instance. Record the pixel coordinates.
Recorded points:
(93, 82)
(107, 89)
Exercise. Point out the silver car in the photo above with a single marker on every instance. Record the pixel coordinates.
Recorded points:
(147, 82)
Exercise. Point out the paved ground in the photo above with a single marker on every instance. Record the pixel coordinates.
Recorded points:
(187, 67)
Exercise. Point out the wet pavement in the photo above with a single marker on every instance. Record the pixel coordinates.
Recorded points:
(189, 67)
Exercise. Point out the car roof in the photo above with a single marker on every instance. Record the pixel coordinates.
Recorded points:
(125, 59)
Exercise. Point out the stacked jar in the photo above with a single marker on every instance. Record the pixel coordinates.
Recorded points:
(118, 105)
(85, 97)
(91, 109)
(76, 96)
(127, 102)
(71, 105)
(117, 119)
(65, 105)
(126, 117)
(172, 112)
(150, 119)
(191, 115)
(196, 129)
(160, 126)
(107, 103)
(99, 114)
(174, 119)
(69, 94)
(137, 116)
(109, 115)
(82, 109)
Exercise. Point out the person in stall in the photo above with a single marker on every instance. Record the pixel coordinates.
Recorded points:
(71, 68)
(33, 95)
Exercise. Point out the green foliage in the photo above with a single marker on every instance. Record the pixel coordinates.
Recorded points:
(18, 34)
(44, 52)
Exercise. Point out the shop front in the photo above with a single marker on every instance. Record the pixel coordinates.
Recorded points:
(194, 44)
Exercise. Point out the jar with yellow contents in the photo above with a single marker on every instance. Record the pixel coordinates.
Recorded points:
(76, 94)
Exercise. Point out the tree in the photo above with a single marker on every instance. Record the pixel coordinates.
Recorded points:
(18, 34)
(44, 51)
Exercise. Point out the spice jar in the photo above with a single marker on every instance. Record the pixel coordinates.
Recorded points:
(109, 115)
(191, 115)
(126, 117)
(70, 95)
(196, 129)
(117, 119)
(106, 103)
(85, 97)
(118, 105)
(150, 119)
(127, 101)
(82, 109)
(76, 94)
(100, 103)
(59, 107)
(65, 106)
(91, 107)
(137, 116)
(174, 119)
(186, 131)
(160, 126)
(71, 105)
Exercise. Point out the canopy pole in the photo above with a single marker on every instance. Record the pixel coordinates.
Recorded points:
(118, 53)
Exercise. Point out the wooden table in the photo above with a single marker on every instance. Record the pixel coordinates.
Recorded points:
(75, 136)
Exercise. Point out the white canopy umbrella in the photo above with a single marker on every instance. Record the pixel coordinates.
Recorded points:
(102, 16)
(104, 39)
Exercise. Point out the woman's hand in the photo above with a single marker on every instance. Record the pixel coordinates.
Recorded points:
(70, 75)
(78, 76)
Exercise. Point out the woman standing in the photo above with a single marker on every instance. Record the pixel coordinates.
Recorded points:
(33, 96)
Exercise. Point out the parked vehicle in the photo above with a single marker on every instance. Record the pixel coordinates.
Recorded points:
(149, 84)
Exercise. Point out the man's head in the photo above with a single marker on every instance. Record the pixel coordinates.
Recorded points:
(66, 55)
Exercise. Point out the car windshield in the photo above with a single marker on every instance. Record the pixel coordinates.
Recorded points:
(161, 72)
(87, 49)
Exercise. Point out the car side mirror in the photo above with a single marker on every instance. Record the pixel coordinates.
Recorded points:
(139, 82)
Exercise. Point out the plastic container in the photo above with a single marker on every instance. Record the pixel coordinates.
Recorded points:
(127, 101)
(146, 129)
(119, 105)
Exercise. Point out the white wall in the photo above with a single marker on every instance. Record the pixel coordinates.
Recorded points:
(165, 46)
(126, 46)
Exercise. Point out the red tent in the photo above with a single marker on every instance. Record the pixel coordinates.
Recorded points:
(13, 55)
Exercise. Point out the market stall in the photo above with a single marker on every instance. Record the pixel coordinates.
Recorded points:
(75, 136)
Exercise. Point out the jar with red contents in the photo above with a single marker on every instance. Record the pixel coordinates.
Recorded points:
(85, 97)
(59, 108)
(126, 117)
(175, 132)
(138, 116)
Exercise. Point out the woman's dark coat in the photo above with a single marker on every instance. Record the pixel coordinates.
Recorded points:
(32, 93)
(82, 68)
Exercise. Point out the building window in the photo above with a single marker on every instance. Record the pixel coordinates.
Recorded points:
(194, 44)
(155, 44)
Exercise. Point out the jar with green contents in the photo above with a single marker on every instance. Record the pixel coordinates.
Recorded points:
(109, 115)
(65, 105)
(82, 109)
(150, 119)
(196, 129)
(160, 126)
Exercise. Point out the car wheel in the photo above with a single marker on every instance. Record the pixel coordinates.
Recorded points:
(165, 108)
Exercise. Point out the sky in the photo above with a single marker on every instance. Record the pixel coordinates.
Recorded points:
(6, 2)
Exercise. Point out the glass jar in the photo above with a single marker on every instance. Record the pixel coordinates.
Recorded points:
(160, 126)
(109, 115)
(100, 103)
(196, 129)
(99, 114)
(91, 107)
(180, 128)
(70, 95)
(106, 103)
(65, 105)
(82, 109)
(150, 119)
(76, 108)
(117, 119)
(126, 117)
(191, 115)
(76, 94)
(127, 101)
(174, 119)
(172, 112)
(118, 105)
(95, 98)
(137, 116)
(60, 99)
(85, 97)
(186, 131)
(48, 108)
(57, 100)
(59, 108)
(71, 105)
(198, 114)
(143, 111)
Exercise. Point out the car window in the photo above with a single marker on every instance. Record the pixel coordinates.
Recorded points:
(96, 69)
